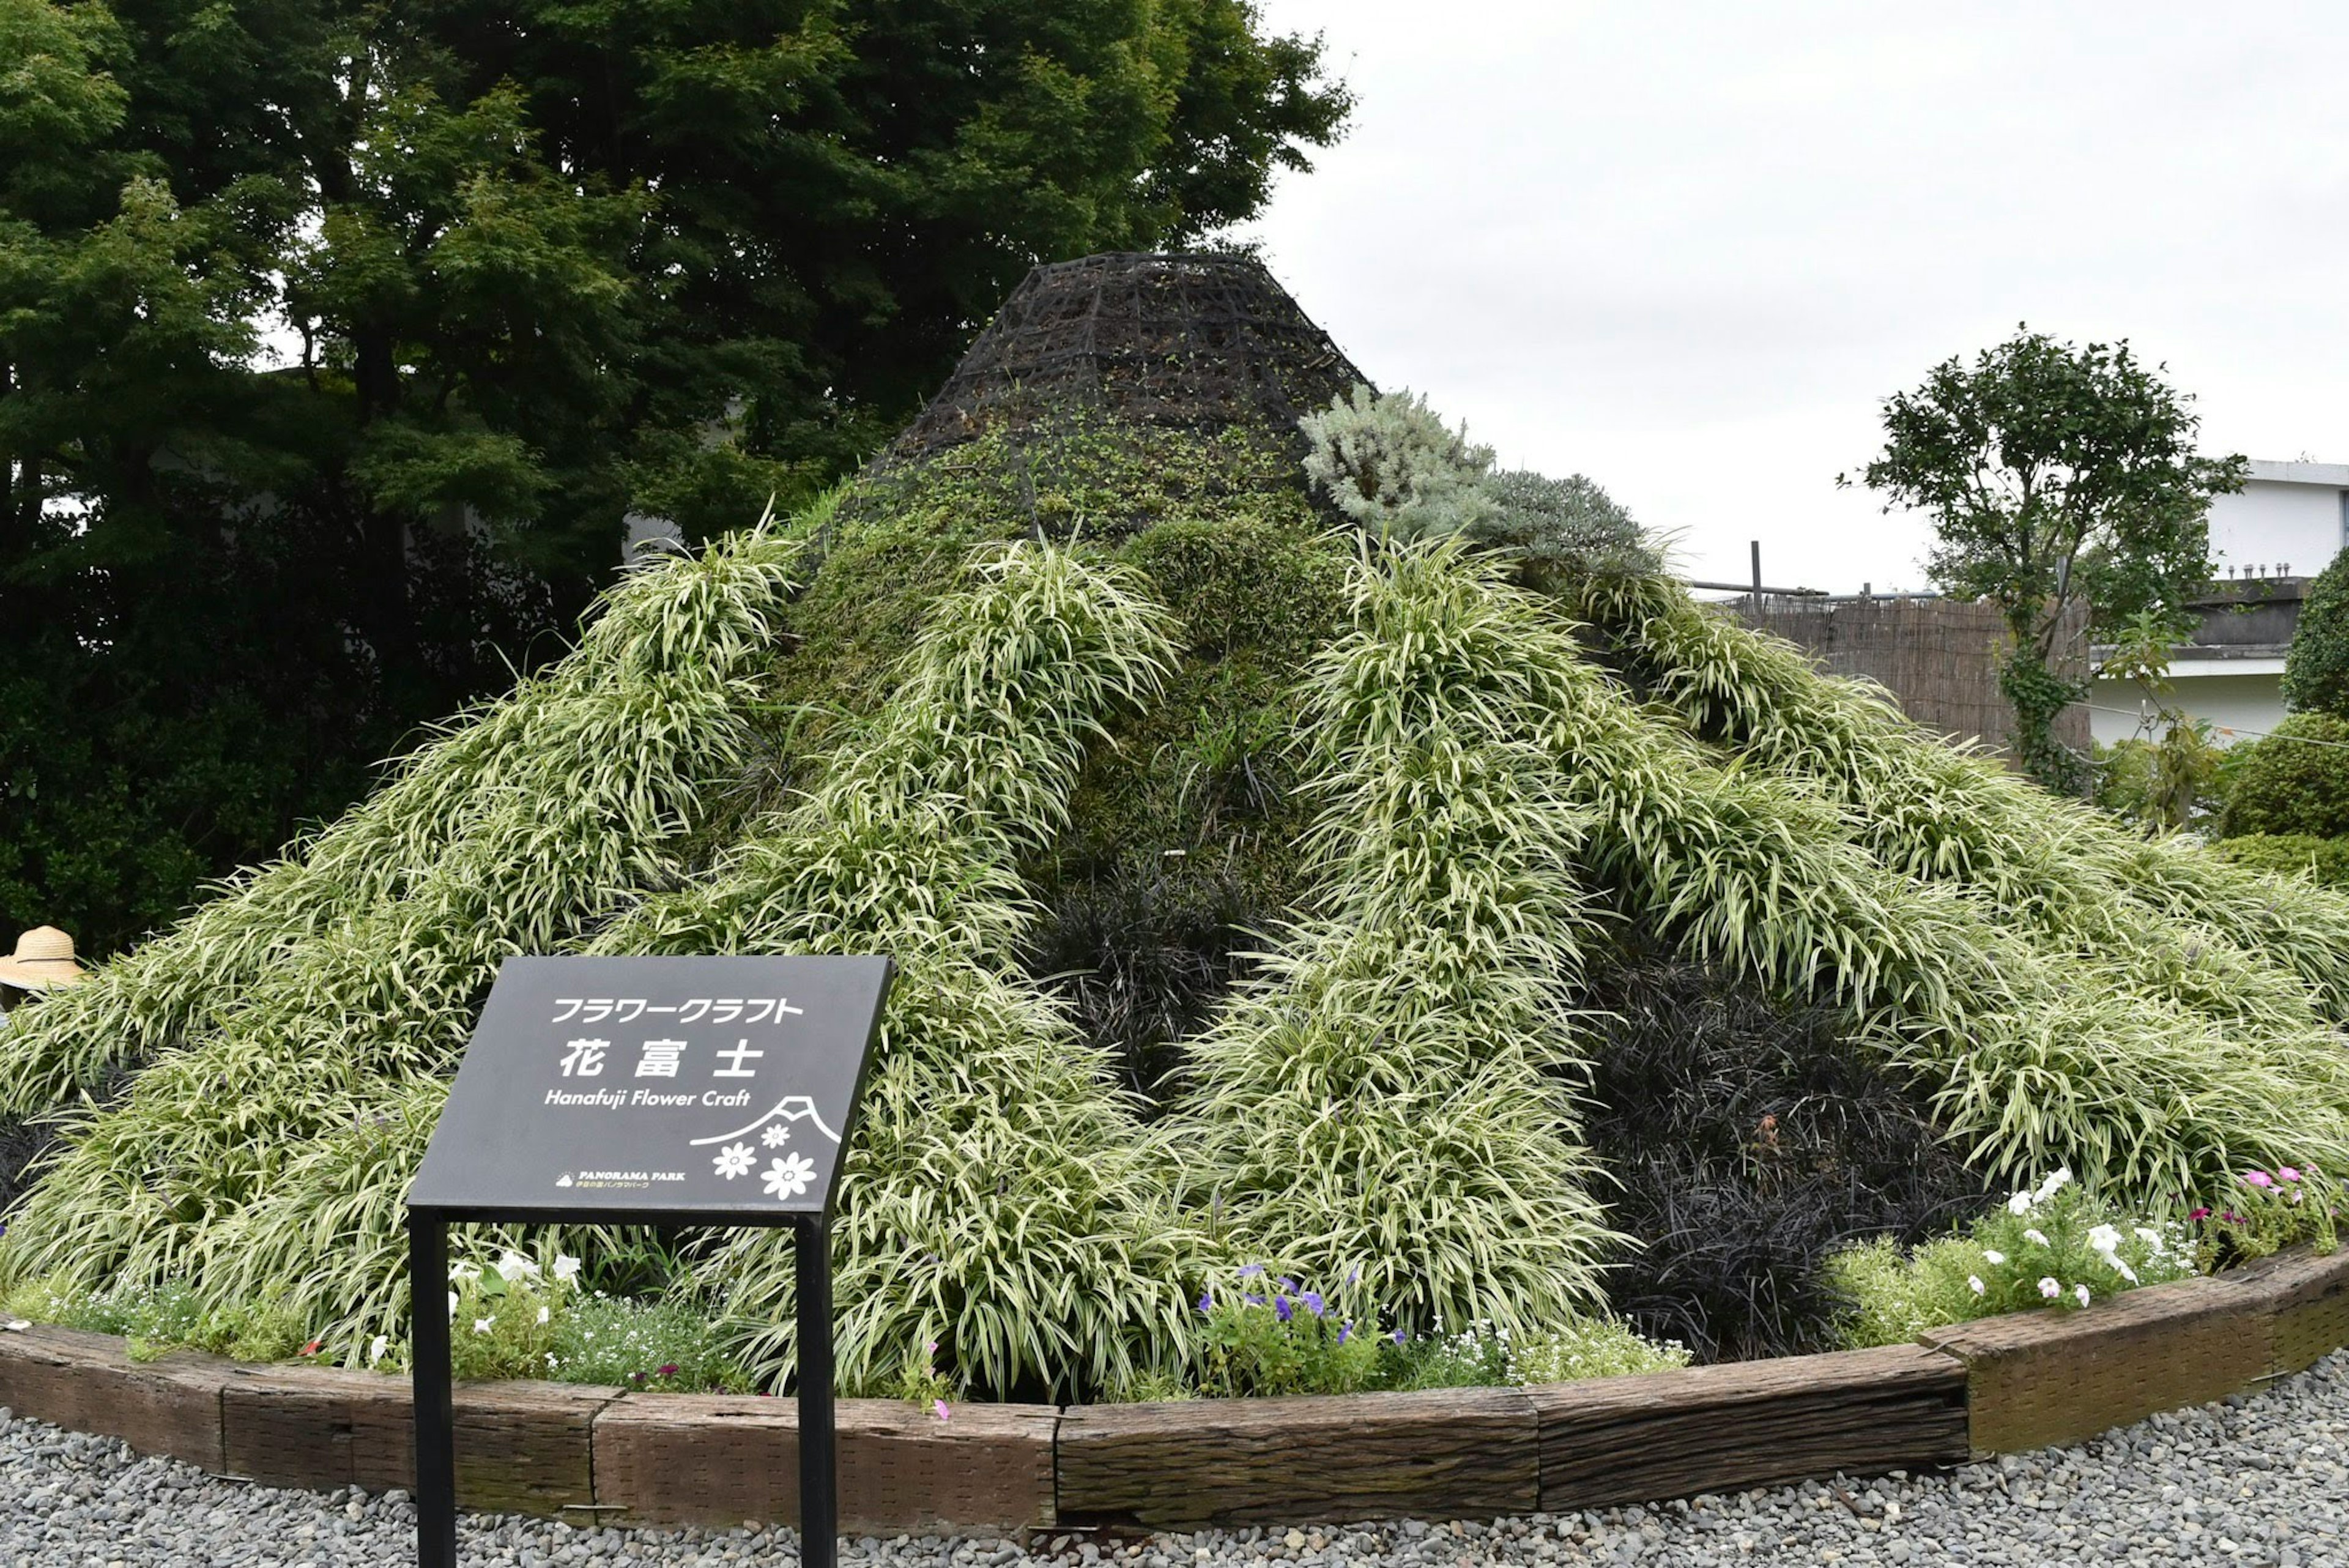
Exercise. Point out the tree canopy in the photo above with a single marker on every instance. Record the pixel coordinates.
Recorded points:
(338, 341)
(2054, 474)
(2316, 670)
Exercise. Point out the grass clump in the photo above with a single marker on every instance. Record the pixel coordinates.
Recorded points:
(985, 1116)
(1389, 1095)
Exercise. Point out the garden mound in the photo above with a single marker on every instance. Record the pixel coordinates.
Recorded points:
(1267, 891)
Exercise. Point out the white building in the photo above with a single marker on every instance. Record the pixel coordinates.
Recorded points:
(2282, 528)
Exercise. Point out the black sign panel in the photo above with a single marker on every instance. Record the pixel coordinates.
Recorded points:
(678, 1086)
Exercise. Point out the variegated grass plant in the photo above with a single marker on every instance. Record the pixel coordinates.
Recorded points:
(510, 836)
(1389, 1101)
(998, 1200)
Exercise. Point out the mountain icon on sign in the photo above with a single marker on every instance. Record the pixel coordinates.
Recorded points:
(566, 1181)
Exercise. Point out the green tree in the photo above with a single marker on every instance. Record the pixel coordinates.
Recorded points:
(2055, 476)
(2316, 670)
(337, 341)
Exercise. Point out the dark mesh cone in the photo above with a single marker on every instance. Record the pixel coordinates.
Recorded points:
(1194, 340)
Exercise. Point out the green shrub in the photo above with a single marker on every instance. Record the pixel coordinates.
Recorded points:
(1395, 470)
(645, 1344)
(2051, 1245)
(1557, 527)
(2324, 861)
(1267, 1334)
(2316, 670)
(2295, 780)
(2263, 1211)
(164, 1317)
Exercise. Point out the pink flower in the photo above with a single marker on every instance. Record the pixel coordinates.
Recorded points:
(2202, 1213)
(2287, 1173)
(2259, 1179)
(940, 1406)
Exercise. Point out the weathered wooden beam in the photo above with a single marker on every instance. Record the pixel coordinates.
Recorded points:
(87, 1383)
(1445, 1454)
(2038, 1379)
(715, 1458)
(1612, 1440)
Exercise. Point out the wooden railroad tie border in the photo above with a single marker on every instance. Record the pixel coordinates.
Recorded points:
(1999, 1385)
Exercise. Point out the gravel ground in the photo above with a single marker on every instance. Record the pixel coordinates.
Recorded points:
(2257, 1481)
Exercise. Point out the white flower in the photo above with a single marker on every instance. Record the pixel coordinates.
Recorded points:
(481, 1325)
(2151, 1238)
(1974, 1282)
(2019, 1204)
(513, 1266)
(463, 1272)
(2040, 1237)
(735, 1159)
(789, 1175)
(2104, 1238)
(542, 1314)
(2081, 1292)
(452, 1306)
(776, 1135)
(2053, 1184)
(2120, 1266)
(1991, 1255)
(566, 1269)
(2049, 1288)
(374, 1351)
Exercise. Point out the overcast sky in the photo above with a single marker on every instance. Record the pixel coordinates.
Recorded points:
(1686, 248)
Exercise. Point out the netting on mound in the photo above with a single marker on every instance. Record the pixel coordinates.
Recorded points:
(1200, 341)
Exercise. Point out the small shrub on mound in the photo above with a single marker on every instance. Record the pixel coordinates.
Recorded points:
(2293, 781)
(2049, 1246)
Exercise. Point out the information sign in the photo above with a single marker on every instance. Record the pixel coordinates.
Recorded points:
(716, 1091)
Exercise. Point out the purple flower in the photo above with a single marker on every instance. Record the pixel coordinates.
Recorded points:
(1352, 1280)
(1281, 1309)
(2259, 1179)
(2203, 1213)
(1206, 1299)
(1251, 1271)
(1345, 1333)
(1313, 1302)
(2286, 1173)
(1289, 1286)
(669, 1371)
(1253, 1301)
(1398, 1337)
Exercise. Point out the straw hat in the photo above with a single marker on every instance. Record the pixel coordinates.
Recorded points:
(44, 958)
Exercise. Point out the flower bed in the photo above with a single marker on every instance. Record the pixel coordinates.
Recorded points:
(1995, 1385)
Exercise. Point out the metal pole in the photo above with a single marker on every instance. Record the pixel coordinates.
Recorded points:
(819, 1493)
(435, 1436)
(1757, 579)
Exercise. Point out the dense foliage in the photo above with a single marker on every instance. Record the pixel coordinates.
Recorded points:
(1354, 838)
(2055, 475)
(337, 341)
(2316, 670)
(2296, 780)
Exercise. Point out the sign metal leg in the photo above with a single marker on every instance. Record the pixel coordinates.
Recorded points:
(435, 1436)
(819, 1493)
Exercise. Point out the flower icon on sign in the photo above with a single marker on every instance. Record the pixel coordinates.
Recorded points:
(789, 1175)
(735, 1159)
(776, 1135)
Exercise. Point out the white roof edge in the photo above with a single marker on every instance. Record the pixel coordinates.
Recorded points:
(2335, 474)
(2190, 668)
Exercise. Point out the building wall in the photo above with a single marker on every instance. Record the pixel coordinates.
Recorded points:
(2287, 517)
(2240, 706)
